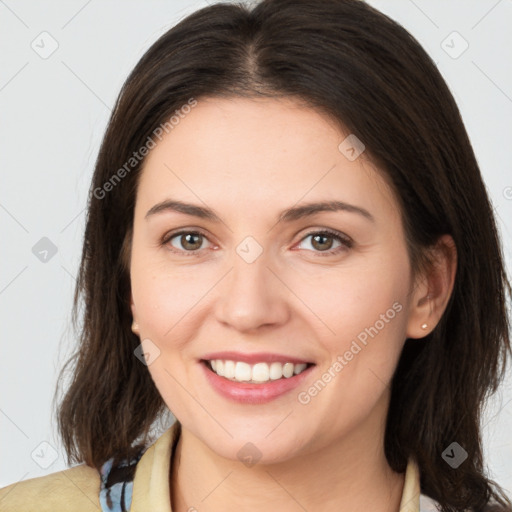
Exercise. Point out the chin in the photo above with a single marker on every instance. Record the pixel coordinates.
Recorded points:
(261, 443)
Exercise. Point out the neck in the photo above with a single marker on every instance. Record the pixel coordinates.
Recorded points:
(349, 474)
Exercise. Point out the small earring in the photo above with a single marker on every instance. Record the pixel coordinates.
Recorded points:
(424, 326)
(135, 327)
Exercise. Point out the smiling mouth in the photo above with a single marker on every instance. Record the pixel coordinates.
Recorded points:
(259, 373)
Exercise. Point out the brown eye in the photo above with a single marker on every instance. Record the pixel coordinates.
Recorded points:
(185, 241)
(322, 242)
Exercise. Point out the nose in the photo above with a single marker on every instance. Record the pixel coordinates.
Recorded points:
(252, 295)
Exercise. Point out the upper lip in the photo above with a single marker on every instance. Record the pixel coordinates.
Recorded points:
(257, 357)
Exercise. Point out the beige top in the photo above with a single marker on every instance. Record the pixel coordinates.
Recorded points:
(77, 488)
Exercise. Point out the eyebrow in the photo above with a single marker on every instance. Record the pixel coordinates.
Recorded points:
(288, 215)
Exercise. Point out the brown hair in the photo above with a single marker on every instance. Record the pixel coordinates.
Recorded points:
(350, 61)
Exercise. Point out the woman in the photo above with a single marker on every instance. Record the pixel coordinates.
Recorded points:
(289, 246)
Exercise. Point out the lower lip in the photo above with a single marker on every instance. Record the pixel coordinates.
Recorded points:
(247, 393)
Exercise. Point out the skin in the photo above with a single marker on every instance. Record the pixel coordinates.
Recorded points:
(249, 160)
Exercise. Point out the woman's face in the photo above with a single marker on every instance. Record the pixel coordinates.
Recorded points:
(263, 289)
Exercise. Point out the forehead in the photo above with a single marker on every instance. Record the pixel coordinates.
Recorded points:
(258, 152)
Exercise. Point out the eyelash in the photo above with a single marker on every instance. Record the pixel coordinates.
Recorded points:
(346, 242)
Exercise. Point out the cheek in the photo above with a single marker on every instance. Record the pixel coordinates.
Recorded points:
(364, 319)
(164, 296)
(164, 302)
(354, 300)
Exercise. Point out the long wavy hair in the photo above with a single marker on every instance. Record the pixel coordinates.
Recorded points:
(348, 60)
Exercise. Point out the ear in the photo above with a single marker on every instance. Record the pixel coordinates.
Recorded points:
(135, 325)
(433, 289)
(132, 305)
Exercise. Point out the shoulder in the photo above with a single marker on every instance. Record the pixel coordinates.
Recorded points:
(74, 489)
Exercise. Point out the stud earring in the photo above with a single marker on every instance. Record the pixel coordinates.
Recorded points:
(135, 327)
(424, 326)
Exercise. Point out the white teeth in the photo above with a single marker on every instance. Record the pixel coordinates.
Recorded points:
(242, 371)
(276, 371)
(299, 368)
(229, 369)
(259, 372)
(288, 370)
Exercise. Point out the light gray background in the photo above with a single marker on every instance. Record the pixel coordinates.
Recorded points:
(53, 112)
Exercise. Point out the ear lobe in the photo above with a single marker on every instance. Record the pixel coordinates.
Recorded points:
(431, 296)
